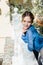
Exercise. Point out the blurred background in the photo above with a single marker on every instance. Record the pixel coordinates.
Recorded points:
(35, 6)
(8, 8)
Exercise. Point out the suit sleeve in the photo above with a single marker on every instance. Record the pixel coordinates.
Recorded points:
(38, 43)
(30, 40)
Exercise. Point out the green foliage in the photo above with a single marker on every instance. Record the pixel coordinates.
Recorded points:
(27, 8)
(35, 24)
(39, 28)
(0, 11)
(19, 6)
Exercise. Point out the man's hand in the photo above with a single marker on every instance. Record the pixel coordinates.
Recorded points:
(23, 30)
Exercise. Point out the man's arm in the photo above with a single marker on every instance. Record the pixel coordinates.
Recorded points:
(30, 40)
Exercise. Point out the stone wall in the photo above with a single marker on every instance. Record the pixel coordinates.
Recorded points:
(1, 58)
(8, 51)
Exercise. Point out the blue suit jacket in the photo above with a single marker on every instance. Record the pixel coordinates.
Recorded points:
(33, 39)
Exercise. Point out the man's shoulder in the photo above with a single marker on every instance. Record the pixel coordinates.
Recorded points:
(32, 29)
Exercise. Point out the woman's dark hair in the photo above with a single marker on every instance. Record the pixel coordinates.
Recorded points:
(26, 13)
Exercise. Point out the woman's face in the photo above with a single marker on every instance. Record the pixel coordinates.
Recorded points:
(26, 22)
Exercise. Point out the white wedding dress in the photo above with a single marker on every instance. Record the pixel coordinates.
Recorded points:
(22, 56)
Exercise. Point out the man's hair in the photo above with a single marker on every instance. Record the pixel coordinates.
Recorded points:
(26, 13)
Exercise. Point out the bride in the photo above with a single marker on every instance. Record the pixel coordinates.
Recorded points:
(22, 56)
